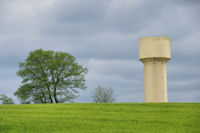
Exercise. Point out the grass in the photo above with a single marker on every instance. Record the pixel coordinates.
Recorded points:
(101, 118)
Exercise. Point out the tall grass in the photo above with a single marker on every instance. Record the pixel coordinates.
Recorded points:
(101, 118)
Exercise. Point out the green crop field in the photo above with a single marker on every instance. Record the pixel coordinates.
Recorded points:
(101, 118)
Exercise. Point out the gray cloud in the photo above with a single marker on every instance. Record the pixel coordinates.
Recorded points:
(103, 35)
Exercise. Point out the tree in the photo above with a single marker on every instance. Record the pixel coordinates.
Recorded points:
(50, 77)
(103, 95)
(25, 102)
(5, 99)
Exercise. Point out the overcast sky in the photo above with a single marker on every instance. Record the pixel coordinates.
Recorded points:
(103, 36)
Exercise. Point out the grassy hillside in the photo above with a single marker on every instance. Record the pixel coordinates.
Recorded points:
(101, 118)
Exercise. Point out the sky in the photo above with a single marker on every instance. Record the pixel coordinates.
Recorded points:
(104, 35)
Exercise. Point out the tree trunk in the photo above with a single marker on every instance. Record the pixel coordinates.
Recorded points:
(55, 96)
(50, 95)
(44, 97)
(50, 98)
(45, 100)
(41, 100)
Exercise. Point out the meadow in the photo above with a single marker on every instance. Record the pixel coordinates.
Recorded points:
(101, 118)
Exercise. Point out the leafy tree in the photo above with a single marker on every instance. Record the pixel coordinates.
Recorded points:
(50, 77)
(103, 95)
(5, 99)
(25, 102)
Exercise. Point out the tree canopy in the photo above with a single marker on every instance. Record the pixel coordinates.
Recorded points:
(50, 77)
(103, 95)
(5, 99)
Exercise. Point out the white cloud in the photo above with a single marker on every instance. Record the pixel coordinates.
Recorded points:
(103, 35)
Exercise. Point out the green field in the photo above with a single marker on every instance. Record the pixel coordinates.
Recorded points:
(101, 118)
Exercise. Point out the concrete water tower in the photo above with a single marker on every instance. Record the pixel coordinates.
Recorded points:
(154, 52)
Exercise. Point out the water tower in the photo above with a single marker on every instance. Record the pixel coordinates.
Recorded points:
(154, 52)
